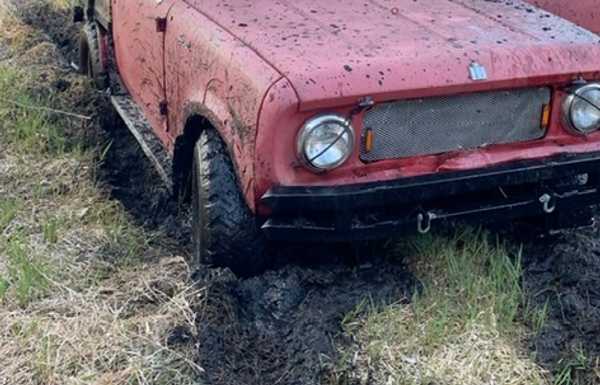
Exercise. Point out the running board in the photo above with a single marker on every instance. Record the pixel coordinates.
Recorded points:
(143, 133)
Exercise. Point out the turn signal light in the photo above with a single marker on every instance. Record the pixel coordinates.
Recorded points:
(545, 117)
(369, 140)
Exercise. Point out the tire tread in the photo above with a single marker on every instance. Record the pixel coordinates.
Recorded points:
(228, 228)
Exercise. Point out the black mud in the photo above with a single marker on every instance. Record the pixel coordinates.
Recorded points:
(131, 180)
(57, 25)
(562, 273)
(280, 328)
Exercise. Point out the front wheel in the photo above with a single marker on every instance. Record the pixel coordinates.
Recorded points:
(225, 232)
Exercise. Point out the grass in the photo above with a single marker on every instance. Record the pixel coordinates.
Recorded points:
(575, 369)
(86, 296)
(567, 374)
(8, 211)
(475, 281)
(461, 328)
(26, 276)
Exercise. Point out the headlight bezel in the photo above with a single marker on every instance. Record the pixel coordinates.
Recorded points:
(314, 123)
(568, 105)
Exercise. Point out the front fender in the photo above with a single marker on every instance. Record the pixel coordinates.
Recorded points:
(238, 138)
(211, 73)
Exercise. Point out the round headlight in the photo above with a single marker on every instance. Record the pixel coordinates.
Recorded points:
(582, 109)
(325, 142)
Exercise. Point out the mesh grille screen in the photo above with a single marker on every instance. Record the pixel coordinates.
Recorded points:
(437, 125)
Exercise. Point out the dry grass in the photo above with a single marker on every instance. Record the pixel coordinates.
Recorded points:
(86, 297)
(461, 329)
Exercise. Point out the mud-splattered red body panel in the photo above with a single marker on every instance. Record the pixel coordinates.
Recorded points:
(428, 88)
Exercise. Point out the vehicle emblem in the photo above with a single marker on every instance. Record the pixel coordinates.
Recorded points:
(477, 71)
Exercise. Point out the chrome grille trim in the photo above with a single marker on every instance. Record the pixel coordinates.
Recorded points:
(459, 122)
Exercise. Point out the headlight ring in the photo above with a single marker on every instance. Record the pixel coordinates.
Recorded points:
(581, 109)
(325, 142)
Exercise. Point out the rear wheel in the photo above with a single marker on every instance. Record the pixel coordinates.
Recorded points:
(225, 232)
(90, 61)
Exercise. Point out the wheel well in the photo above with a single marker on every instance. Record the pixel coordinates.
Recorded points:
(183, 158)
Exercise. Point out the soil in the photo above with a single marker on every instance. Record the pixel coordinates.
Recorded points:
(564, 272)
(57, 25)
(139, 188)
(279, 327)
(282, 327)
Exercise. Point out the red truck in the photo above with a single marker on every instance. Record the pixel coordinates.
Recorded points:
(355, 120)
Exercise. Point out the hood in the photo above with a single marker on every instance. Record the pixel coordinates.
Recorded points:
(582, 12)
(337, 51)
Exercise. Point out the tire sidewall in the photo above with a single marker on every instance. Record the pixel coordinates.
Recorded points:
(198, 215)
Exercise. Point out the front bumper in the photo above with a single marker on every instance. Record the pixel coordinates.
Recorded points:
(547, 187)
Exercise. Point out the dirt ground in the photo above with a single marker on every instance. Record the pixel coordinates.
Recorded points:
(280, 327)
(283, 327)
(563, 273)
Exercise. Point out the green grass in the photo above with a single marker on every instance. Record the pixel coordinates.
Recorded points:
(537, 316)
(78, 279)
(466, 279)
(39, 136)
(26, 275)
(8, 211)
(50, 229)
(26, 128)
(570, 368)
(4, 286)
(462, 327)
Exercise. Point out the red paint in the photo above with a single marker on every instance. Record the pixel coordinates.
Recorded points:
(586, 13)
(257, 69)
(139, 53)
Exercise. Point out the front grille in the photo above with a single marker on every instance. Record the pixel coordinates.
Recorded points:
(460, 122)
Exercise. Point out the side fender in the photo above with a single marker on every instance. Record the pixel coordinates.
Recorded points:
(212, 74)
(212, 113)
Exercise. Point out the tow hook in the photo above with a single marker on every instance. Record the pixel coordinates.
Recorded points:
(548, 203)
(424, 222)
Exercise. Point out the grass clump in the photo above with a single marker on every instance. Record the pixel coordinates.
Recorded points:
(461, 328)
(26, 276)
(575, 369)
(466, 280)
(8, 211)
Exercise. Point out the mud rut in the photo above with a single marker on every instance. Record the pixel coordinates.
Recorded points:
(282, 327)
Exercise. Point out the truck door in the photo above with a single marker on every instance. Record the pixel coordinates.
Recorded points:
(139, 31)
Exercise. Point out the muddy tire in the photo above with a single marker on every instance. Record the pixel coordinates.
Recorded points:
(90, 62)
(224, 231)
